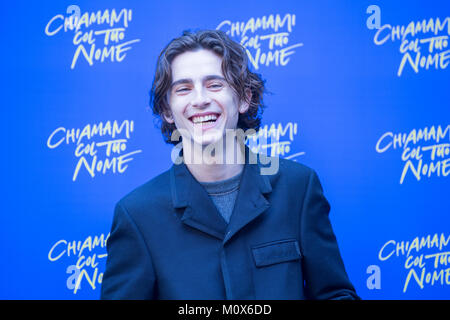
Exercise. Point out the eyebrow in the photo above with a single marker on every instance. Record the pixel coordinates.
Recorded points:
(206, 78)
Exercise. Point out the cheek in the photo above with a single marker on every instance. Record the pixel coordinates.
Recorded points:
(234, 109)
(230, 103)
(177, 106)
(232, 114)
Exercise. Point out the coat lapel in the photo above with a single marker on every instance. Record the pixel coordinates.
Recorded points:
(199, 210)
(201, 213)
(250, 202)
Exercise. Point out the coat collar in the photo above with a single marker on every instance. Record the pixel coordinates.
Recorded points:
(201, 213)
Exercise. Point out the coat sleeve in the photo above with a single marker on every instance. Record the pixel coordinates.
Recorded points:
(323, 268)
(129, 271)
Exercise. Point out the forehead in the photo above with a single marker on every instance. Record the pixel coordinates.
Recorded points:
(196, 64)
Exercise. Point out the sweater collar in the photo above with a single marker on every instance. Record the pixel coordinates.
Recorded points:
(199, 211)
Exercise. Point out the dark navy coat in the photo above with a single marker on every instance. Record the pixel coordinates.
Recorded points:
(168, 240)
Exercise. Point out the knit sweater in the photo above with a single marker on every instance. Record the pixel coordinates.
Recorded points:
(223, 193)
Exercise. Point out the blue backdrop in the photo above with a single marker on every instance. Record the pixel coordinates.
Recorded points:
(359, 92)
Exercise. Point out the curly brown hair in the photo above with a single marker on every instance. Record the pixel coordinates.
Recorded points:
(234, 67)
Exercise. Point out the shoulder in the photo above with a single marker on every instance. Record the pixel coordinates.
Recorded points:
(289, 172)
(297, 169)
(297, 175)
(153, 194)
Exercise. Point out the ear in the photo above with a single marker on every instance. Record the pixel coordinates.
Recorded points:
(245, 104)
(168, 117)
(167, 111)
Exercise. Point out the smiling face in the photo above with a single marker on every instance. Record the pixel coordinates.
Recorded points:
(201, 101)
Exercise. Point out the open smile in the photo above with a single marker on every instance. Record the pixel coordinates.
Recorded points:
(205, 120)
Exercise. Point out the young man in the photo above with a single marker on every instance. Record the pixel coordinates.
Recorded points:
(222, 222)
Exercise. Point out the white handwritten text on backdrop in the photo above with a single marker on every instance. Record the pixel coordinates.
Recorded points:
(424, 44)
(111, 44)
(88, 253)
(87, 150)
(419, 254)
(265, 38)
(424, 153)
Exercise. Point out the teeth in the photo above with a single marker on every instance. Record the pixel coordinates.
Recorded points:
(209, 117)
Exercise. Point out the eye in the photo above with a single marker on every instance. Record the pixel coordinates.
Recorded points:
(215, 86)
(182, 89)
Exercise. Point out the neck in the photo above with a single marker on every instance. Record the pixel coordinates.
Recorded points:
(214, 162)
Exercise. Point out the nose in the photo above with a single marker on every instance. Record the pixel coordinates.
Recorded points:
(200, 98)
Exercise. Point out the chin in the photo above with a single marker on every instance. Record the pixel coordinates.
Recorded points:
(207, 139)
